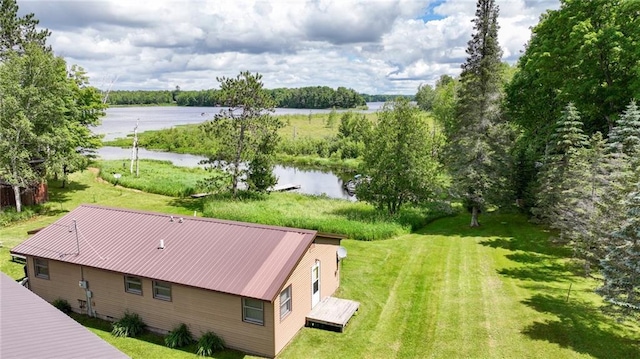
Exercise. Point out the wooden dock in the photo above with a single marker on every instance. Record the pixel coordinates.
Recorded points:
(332, 314)
(284, 187)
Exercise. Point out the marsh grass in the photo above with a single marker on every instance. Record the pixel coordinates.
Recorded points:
(357, 220)
(160, 177)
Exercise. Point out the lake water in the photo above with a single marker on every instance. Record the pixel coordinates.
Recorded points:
(120, 121)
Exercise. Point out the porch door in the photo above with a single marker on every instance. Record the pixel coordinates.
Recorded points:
(315, 284)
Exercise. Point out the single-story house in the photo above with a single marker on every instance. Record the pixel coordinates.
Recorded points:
(33, 328)
(251, 284)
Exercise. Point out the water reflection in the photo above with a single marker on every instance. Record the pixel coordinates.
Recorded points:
(313, 182)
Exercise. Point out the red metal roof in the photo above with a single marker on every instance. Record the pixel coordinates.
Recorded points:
(32, 328)
(238, 258)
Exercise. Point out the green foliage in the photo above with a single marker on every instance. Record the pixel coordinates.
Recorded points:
(398, 162)
(159, 177)
(331, 119)
(130, 325)
(9, 215)
(246, 131)
(62, 305)
(179, 337)
(586, 52)
(479, 143)
(16, 33)
(45, 115)
(621, 288)
(357, 220)
(567, 138)
(425, 97)
(209, 343)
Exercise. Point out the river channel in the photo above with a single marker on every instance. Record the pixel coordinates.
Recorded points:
(120, 121)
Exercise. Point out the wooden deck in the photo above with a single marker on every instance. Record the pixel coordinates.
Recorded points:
(284, 187)
(332, 314)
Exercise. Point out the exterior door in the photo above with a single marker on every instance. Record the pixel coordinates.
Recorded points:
(315, 284)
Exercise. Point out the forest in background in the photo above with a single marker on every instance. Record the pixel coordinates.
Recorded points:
(311, 97)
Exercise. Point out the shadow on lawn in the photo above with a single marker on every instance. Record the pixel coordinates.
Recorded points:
(581, 327)
(61, 195)
(150, 337)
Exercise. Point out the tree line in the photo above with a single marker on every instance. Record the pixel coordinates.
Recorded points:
(315, 97)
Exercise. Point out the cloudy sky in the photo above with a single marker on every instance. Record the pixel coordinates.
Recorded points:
(372, 46)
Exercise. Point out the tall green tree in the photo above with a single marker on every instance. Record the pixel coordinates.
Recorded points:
(566, 139)
(246, 131)
(73, 142)
(398, 161)
(475, 131)
(33, 91)
(16, 32)
(444, 103)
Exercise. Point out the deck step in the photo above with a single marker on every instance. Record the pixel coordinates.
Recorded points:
(332, 314)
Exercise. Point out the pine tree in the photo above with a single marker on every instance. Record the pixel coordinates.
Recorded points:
(621, 288)
(567, 137)
(625, 135)
(478, 113)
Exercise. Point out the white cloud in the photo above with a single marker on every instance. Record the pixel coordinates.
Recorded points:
(373, 46)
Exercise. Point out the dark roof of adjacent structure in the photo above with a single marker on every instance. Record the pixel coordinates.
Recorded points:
(238, 258)
(32, 328)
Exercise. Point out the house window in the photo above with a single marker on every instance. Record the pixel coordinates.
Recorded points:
(252, 311)
(42, 268)
(133, 285)
(161, 290)
(285, 302)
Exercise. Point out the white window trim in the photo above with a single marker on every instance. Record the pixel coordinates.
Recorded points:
(287, 304)
(39, 263)
(245, 318)
(131, 279)
(164, 285)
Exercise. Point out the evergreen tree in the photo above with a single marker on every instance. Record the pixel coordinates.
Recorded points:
(16, 32)
(620, 269)
(625, 135)
(471, 148)
(567, 137)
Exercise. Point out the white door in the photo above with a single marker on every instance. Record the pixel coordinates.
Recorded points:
(315, 284)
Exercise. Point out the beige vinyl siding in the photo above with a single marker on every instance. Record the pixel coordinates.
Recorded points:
(63, 283)
(300, 282)
(202, 310)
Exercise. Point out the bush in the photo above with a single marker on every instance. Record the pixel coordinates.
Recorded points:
(62, 305)
(179, 337)
(209, 343)
(128, 326)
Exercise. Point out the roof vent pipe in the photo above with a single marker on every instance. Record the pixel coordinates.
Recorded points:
(171, 219)
(161, 245)
(181, 220)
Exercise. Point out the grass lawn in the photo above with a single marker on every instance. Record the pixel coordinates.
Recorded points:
(447, 291)
(454, 292)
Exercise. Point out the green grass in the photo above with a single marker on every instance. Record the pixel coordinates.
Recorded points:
(455, 292)
(160, 177)
(356, 220)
